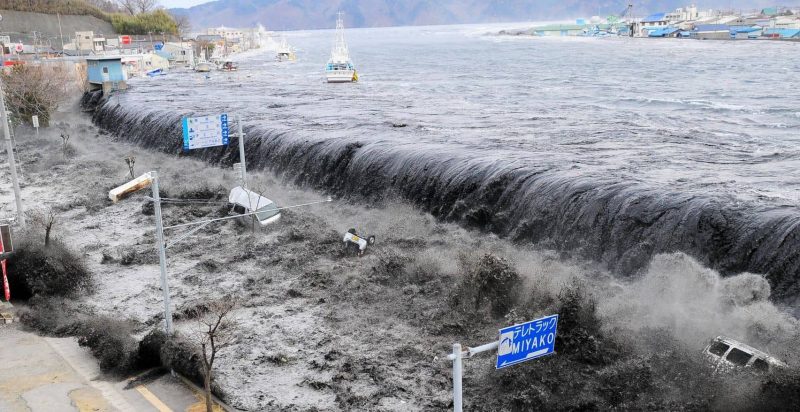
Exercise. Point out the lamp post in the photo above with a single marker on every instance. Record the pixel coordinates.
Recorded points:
(116, 194)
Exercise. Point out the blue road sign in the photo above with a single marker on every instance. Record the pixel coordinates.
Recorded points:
(526, 341)
(207, 131)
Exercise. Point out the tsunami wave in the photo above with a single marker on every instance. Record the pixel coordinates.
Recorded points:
(620, 224)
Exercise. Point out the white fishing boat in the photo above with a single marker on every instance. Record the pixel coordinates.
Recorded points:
(285, 52)
(202, 67)
(340, 69)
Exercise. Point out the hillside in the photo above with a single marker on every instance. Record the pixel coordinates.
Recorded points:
(311, 14)
(68, 7)
(21, 25)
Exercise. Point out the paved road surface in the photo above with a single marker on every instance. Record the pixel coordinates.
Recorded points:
(55, 374)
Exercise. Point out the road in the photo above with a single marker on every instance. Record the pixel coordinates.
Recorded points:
(55, 374)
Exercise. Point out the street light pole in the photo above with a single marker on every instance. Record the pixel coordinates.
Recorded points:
(162, 253)
(12, 164)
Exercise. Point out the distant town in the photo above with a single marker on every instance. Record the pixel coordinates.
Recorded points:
(773, 23)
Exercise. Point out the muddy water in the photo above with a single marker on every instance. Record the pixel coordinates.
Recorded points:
(617, 148)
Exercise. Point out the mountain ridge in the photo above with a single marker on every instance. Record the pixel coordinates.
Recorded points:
(320, 14)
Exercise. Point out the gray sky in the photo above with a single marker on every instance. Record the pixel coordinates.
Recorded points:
(181, 3)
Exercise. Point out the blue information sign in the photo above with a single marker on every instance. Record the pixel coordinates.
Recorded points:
(207, 131)
(526, 341)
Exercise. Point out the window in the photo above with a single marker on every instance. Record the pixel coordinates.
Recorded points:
(760, 365)
(267, 212)
(105, 70)
(718, 348)
(738, 357)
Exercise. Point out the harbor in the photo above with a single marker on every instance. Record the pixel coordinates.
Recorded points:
(771, 23)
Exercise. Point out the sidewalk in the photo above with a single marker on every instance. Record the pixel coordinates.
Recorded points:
(55, 374)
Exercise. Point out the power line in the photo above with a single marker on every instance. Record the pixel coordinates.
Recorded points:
(202, 222)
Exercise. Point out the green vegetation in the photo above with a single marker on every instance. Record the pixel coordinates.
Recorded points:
(143, 22)
(156, 21)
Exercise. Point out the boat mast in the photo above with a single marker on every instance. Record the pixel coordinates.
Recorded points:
(339, 51)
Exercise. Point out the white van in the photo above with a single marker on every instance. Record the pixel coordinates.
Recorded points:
(726, 353)
(246, 201)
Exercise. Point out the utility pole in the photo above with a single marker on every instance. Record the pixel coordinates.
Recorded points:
(60, 32)
(162, 252)
(241, 151)
(12, 163)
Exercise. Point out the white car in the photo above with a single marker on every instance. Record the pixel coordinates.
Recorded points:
(726, 354)
(245, 201)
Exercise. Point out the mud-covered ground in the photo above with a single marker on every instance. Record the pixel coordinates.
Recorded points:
(320, 329)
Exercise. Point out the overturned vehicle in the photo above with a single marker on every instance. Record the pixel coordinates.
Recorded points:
(728, 354)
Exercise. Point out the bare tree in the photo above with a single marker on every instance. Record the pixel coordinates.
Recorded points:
(138, 6)
(44, 219)
(182, 23)
(215, 332)
(131, 160)
(65, 144)
(35, 91)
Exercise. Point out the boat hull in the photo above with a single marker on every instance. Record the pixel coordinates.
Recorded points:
(340, 76)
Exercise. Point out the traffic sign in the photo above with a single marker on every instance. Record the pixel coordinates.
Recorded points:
(207, 131)
(526, 341)
(35, 121)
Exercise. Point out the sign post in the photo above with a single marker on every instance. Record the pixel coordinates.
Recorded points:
(12, 164)
(211, 131)
(5, 246)
(241, 151)
(35, 122)
(206, 131)
(517, 344)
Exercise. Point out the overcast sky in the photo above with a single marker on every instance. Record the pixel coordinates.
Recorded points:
(181, 3)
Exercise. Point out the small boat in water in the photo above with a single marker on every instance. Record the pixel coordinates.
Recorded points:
(285, 52)
(229, 66)
(202, 67)
(340, 69)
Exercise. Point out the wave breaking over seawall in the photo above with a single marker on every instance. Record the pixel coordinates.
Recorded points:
(621, 224)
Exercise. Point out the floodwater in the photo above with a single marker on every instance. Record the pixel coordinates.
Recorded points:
(620, 148)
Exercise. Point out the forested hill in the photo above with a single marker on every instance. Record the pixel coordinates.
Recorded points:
(311, 14)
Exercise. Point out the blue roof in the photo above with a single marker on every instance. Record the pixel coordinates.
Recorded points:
(654, 18)
(666, 31)
(744, 29)
(785, 33)
(712, 27)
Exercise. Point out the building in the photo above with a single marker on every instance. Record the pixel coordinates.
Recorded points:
(140, 64)
(783, 34)
(559, 30)
(87, 40)
(665, 32)
(106, 72)
(712, 32)
(225, 32)
(178, 54)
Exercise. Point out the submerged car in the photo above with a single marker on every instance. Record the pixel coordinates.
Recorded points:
(246, 201)
(726, 354)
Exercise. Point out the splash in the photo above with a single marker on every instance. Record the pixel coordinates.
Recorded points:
(622, 224)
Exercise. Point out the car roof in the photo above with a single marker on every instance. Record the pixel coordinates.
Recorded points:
(248, 199)
(747, 348)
